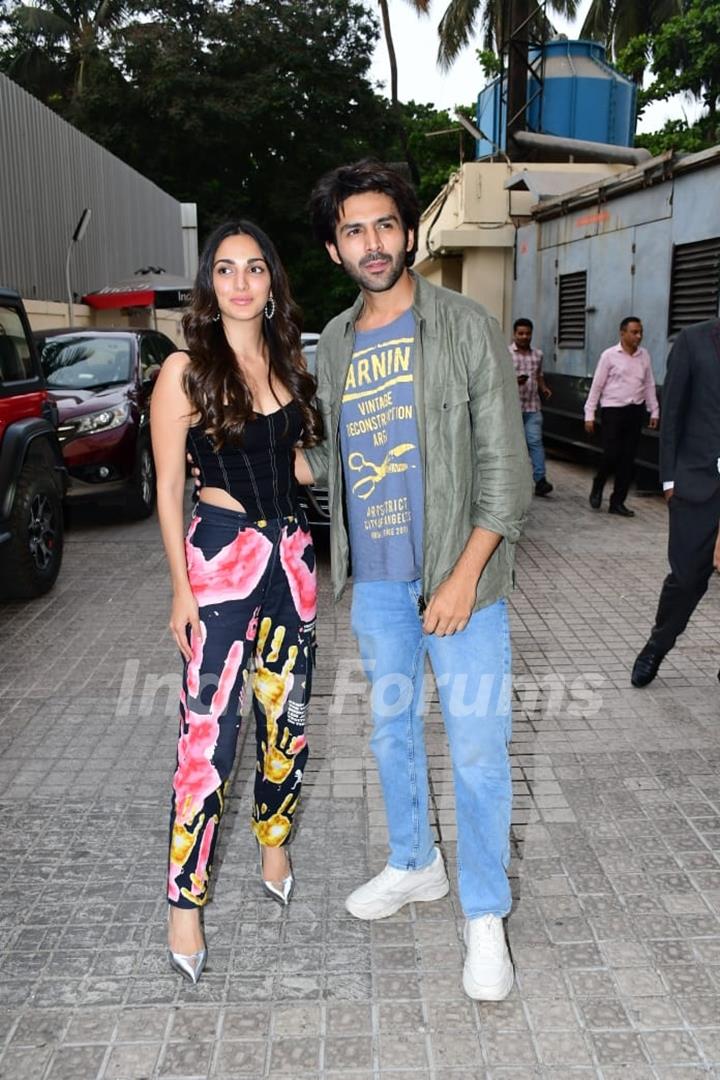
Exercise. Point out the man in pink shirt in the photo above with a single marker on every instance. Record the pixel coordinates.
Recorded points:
(624, 387)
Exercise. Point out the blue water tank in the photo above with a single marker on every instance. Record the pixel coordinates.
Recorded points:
(582, 97)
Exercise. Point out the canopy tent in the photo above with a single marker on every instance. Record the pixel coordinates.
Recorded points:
(144, 290)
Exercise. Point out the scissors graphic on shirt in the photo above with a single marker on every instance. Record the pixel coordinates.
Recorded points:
(365, 486)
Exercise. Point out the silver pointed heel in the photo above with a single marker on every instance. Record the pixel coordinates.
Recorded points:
(280, 891)
(191, 967)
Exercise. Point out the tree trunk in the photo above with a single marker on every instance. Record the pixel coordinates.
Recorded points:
(387, 30)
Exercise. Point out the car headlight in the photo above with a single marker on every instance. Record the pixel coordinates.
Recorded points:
(103, 421)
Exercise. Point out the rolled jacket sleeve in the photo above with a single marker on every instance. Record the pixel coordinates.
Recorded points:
(317, 458)
(502, 484)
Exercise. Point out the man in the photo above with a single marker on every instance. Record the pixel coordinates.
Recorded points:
(623, 384)
(531, 383)
(690, 473)
(425, 446)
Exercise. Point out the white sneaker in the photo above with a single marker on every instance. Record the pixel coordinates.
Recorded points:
(391, 889)
(488, 973)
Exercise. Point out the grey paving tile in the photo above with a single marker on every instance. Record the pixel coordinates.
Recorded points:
(240, 1059)
(39, 1027)
(297, 1056)
(348, 1053)
(72, 1062)
(616, 865)
(563, 1048)
(185, 1059)
(513, 1050)
(708, 1040)
(402, 1052)
(671, 1047)
(131, 1060)
(340, 1019)
(617, 1047)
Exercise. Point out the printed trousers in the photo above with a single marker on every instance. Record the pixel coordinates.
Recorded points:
(255, 585)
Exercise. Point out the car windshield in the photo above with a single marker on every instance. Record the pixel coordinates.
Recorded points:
(85, 363)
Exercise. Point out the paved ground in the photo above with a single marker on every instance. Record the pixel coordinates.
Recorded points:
(616, 926)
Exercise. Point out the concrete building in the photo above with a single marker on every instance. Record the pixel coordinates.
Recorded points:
(468, 234)
(49, 174)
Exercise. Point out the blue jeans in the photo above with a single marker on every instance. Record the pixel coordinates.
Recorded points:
(533, 422)
(472, 670)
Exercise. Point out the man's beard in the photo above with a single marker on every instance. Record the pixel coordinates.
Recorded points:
(371, 282)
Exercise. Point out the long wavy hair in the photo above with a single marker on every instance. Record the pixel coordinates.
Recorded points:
(213, 380)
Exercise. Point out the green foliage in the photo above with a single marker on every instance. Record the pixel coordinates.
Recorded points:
(463, 18)
(678, 136)
(686, 55)
(437, 155)
(617, 23)
(490, 63)
(240, 108)
(683, 56)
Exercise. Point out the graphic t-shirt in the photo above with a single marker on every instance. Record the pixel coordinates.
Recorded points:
(381, 459)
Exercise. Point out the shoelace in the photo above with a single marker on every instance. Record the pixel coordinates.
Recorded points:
(485, 934)
(390, 873)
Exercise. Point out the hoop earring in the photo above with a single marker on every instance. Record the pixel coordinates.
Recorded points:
(270, 308)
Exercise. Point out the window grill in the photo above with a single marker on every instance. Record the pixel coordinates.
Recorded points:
(694, 283)
(571, 310)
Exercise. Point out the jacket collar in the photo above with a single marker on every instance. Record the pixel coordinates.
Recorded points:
(424, 304)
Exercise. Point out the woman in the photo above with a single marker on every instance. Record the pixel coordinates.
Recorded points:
(244, 576)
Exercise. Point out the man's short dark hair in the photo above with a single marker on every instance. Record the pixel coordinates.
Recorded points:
(331, 191)
(628, 319)
(523, 322)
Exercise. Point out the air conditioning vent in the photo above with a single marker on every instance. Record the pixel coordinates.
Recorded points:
(571, 310)
(694, 283)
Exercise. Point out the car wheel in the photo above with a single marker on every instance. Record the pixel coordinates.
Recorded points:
(31, 557)
(141, 497)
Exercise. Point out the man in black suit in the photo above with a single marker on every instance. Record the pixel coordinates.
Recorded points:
(690, 471)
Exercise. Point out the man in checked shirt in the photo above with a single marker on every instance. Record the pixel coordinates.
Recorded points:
(531, 383)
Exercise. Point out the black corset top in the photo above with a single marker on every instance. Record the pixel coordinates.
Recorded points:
(258, 469)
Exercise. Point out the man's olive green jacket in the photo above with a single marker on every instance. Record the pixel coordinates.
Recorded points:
(471, 438)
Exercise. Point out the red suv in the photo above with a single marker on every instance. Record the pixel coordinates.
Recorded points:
(32, 472)
(101, 381)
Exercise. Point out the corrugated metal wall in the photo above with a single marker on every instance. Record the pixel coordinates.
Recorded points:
(49, 172)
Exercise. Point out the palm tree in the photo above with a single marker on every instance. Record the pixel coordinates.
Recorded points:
(422, 7)
(460, 21)
(617, 22)
(73, 31)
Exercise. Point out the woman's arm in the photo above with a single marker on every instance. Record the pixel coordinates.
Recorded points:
(303, 472)
(170, 413)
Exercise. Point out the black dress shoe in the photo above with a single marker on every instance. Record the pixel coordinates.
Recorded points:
(543, 487)
(596, 494)
(621, 510)
(646, 666)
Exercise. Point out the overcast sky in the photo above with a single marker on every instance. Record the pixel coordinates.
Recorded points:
(419, 78)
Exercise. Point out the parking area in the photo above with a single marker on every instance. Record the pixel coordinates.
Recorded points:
(615, 930)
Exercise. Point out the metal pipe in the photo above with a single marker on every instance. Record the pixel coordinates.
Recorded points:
(80, 230)
(582, 148)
